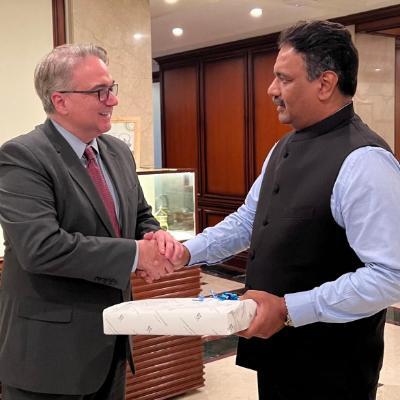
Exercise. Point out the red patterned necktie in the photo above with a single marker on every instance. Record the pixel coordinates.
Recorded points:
(95, 173)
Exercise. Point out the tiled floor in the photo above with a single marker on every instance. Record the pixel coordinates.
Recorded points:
(225, 380)
(211, 283)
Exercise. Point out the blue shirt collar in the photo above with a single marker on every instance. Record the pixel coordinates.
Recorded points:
(77, 145)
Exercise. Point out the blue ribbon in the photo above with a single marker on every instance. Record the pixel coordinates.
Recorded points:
(221, 296)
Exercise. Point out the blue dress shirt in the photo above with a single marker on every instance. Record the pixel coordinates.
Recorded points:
(365, 202)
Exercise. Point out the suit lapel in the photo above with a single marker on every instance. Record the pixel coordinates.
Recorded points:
(78, 173)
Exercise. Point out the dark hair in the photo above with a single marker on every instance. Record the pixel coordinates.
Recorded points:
(325, 46)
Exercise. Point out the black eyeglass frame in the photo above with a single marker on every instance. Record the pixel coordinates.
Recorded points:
(103, 93)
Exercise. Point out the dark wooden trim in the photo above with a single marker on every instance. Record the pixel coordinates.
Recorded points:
(162, 119)
(251, 116)
(156, 76)
(247, 130)
(231, 49)
(59, 25)
(221, 200)
(368, 16)
(397, 101)
(379, 24)
(200, 128)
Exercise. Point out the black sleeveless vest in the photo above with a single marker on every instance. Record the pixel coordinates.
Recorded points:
(296, 245)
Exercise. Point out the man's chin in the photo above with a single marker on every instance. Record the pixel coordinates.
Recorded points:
(284, 118)
(105, 128)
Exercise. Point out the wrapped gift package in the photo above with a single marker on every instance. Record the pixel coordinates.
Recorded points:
(180, 316)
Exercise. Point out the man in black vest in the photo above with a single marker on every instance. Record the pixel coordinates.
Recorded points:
(321, 225)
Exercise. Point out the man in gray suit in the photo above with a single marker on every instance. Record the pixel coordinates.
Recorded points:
(73, 215)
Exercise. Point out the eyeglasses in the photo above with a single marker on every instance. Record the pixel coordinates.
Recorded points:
(103, 93)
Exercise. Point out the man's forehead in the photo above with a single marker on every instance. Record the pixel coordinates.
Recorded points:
(288, 55)
(89, 63)
(91, 70)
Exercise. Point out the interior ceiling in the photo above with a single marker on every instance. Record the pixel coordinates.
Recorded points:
(210, 22)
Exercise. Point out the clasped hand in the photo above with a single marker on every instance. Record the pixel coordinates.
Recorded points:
(160, 254)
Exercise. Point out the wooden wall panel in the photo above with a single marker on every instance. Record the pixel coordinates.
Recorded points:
(212, 217)
(224, 136)
(267, 128)
(180, 118)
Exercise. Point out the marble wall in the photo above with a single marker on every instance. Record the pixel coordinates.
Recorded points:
(374, 100)
(113, 24)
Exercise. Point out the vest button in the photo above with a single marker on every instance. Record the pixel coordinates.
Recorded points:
(286, 155)
(276, 188)
(265, 222)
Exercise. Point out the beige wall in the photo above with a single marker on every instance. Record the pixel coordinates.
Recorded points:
(112, 24)
(26, 35)
(375, 97)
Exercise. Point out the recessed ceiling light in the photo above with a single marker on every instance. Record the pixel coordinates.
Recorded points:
(177, 31)
(138, 36)
(378, 69)
(256, 12)
(171, 1)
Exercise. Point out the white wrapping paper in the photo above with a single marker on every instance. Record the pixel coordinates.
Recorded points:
(178, 316)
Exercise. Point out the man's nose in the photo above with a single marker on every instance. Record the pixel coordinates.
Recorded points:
(273, 88)
(112, 100)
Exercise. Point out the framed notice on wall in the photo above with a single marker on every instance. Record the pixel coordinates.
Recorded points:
(127, 129)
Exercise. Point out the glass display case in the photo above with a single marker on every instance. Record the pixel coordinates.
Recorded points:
(171, 193)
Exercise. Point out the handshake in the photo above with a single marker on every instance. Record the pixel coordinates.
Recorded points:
(160, 254)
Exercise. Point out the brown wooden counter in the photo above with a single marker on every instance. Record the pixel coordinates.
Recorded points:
(166, 365)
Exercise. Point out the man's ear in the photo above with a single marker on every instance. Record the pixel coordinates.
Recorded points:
(328, 84)
(59, 103)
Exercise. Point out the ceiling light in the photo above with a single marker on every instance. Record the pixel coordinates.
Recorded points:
(378, 69)
(177, 31)
(256, 12)
(138, 36)
(171, 1)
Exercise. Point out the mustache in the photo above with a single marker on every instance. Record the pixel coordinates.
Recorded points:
(278, 101)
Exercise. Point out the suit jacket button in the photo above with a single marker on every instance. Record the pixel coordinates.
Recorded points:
(276, 188)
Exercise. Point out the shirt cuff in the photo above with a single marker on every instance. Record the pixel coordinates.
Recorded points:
(301, 308)
(135, 261)
(198, 250)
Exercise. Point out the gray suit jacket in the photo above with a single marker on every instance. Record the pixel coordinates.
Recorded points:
(62, 265)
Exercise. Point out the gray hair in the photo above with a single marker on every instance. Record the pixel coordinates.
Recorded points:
(54, 71)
